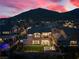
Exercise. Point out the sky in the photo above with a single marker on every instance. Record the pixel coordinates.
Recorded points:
(9, 8)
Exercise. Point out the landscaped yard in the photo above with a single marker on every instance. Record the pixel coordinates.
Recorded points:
(33, 48)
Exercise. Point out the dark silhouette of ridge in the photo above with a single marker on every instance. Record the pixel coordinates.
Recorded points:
(41, 14)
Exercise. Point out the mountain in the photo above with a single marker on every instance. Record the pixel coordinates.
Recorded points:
(75, 11)
(39, 15)
(47, 15)
(72, 15)
(35, 16)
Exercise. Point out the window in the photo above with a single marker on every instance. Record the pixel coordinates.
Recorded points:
(1, 40)
(73, 42)
(35, 42)
(45, 42)
(49, 48)
(6, 32)
(46, 34)
(37, 35)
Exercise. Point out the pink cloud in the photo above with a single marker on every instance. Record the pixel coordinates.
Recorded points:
(75, 2)
(19, 4)
(55, 0)
(58, 8)
(14, 7)
(3, 16)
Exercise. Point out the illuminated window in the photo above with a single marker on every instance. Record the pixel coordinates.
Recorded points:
(73, 42)
(49, 48)
(46, 34)
(1, 40)
(75, 26)
(70, 26)
(35, 42)
(65, 25)
(45, 42)
(53, 48)
(37, 35)
(6, 32)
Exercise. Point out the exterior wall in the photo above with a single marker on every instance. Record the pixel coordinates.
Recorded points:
(29, 39)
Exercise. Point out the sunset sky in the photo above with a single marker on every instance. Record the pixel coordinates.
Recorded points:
(9, 8)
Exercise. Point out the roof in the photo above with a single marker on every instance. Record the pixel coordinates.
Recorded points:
(5, 28)
(39, 29)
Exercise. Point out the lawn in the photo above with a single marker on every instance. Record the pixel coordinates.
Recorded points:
(33, 48)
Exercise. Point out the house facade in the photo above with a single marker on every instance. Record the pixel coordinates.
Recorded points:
(48, 39)
(43, 38)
